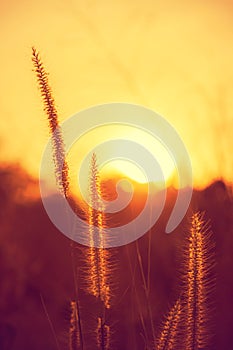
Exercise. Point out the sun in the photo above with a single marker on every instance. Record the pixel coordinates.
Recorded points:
(109, 162)
(125, 169)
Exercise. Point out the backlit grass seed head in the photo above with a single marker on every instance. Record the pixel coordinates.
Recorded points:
(198, 284)
(61, 167)
(168, 338)
(74, 334)
(103, 335)
(98, 260)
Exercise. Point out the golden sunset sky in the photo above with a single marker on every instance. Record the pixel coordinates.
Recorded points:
(175, 57)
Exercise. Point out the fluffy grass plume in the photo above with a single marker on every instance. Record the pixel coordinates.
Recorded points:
(74, 332)
(103, 335)
(198, 278)
(98, 265)
(61, 167)
(169, 334)
(98, 271)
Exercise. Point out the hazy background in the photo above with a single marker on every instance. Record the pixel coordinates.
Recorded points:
(172, 56)
(36, 268)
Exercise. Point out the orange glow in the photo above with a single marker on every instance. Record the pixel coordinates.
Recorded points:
(173, 57)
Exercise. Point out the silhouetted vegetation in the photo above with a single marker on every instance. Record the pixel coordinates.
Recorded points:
(36, 261)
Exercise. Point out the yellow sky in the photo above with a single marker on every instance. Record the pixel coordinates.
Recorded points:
(174, 57)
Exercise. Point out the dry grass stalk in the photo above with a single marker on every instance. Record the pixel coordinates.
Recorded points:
(169, 335)
(199, 285)
(61, 167)
(103, 335)
(74, 332)
(98, 260)
(59, 158)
